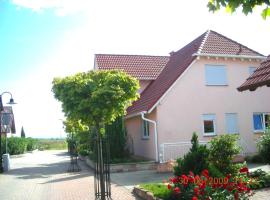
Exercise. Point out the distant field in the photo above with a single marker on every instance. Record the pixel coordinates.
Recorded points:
(52, 144)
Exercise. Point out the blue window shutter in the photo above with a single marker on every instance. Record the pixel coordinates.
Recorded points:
(231, 123)
(215, 75)
(258, 122)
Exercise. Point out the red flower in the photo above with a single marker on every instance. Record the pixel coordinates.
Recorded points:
(173, 180)
(184, 180)
(169, 186)
(244, 170)
(176, 190)
(196, 191)
(194, 198)
(191, 173)
(191, 179)
(205, 173)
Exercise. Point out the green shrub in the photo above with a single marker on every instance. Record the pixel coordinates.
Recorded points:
(83, 149)
(31, 144)
(195, 160)
(214, 172)
(159, 190)
(116, 133)
(16, 145)
(260, 179)
(223, 148)
(264, 147)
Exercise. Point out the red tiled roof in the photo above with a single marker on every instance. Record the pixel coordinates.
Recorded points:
(217, 44)
(210, 43)
(260, 77)
(139, 66)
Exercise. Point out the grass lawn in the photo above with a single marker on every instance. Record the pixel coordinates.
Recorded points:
(158, 189)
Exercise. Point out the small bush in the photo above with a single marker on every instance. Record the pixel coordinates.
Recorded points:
(31, 144)
(264, 147)
(159, 190)
(222, 150)
(83, 149)
(16, 145)
(214, 172)
(195, 160)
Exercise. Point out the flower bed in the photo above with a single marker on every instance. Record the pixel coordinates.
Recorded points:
(203, 186)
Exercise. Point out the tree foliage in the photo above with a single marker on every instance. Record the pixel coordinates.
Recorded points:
(246, 5)
(22, 133)
(96, 97)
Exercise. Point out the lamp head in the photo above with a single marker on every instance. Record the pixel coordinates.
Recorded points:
(11, 102)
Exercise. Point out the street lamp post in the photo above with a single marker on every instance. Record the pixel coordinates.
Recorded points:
(11, 101)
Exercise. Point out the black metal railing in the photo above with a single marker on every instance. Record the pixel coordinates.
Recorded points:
(74, 166)
(102, 169)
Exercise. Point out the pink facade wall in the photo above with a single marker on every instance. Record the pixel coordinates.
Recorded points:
(142, 147)
(143, 85)
(180, 112)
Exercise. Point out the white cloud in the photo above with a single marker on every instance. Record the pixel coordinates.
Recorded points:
(61, 7)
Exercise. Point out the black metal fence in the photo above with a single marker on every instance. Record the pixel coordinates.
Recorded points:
(72, 148)
(102, 169)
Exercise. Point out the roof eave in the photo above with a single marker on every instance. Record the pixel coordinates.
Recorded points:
(231, 56)
(253, 87)
(134, 115)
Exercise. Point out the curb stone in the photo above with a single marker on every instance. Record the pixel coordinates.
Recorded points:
(144, 194)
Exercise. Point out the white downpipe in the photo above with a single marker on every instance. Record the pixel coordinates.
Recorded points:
(155, 134)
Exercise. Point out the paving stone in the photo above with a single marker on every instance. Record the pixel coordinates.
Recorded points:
(43, 176)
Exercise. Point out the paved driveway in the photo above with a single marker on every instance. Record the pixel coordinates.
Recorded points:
(43, 176)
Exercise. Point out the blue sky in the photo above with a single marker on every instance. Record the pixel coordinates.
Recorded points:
(41, 39)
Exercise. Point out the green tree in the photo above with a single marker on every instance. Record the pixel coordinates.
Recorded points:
(96, 98)
(22, 133)
(246, 5)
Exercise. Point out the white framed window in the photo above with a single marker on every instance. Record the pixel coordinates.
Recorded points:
(209, 124)
(231, 123)
(216, 75)
(145, 129)
(251, 70)
(261, 121)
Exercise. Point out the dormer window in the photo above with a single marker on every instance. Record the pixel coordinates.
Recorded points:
(216, 75)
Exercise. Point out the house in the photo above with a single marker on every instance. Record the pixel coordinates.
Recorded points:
(260, 77)
(196, 92)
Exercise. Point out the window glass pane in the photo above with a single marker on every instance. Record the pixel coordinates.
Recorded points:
(209, 123)
(258, 121)
(267, 120)
(231, 123)
(208, 126)
(215, 75)
(145, 128)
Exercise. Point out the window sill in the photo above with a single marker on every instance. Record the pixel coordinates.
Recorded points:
(216, 85)
(145, 138)
(209, 134)
(259, 132)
